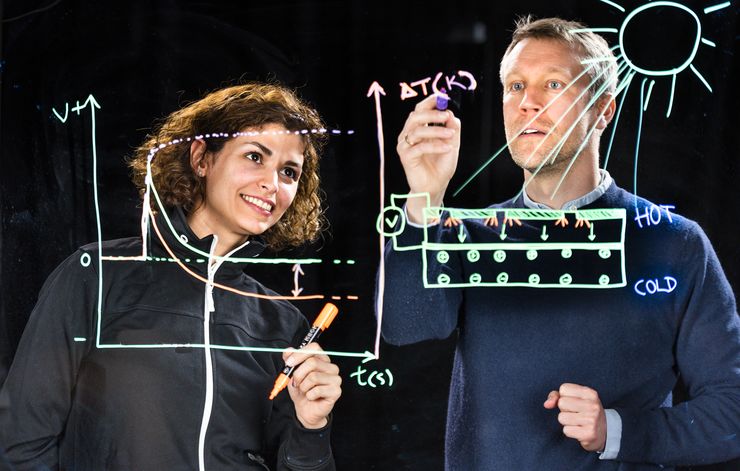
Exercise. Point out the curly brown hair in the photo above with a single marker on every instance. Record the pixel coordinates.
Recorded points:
(215, 118)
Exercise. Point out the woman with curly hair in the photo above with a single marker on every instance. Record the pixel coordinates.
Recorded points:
(148, 353)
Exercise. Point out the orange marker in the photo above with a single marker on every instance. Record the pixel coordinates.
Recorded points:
(322, 322)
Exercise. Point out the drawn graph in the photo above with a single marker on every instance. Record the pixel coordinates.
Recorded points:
(149, 227)
(518, 255)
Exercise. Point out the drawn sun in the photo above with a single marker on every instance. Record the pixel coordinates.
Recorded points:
(657, 39)
(661, 55)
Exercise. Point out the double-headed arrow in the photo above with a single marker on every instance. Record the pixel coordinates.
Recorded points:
(297, 271)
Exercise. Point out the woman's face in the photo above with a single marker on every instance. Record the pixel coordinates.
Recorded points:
(250, 183)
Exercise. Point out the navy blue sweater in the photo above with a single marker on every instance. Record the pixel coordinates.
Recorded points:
(675, 315)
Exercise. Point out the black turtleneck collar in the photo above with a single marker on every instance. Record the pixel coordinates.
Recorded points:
(184, 238)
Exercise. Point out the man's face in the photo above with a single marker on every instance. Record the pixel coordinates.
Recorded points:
(534, 74)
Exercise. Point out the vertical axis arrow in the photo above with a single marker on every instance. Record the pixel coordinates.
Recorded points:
(94, 144)
(297, 271)
(376, 90)
(94, 104)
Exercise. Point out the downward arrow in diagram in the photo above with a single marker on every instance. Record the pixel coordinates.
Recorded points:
(544, 235)
(462, 235)
(591, 235)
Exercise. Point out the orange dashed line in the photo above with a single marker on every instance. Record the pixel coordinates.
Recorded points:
(353, 298)
(336, 298)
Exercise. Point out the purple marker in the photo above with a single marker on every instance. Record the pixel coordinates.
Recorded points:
(442, 100)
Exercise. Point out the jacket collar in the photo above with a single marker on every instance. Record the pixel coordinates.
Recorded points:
(178, 237)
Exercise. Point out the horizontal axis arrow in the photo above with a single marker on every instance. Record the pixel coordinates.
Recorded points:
(366, 354)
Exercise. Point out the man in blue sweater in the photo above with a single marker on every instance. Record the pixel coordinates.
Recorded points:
(568, 349)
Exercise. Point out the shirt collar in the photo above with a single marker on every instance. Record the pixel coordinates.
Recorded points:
(605, 181)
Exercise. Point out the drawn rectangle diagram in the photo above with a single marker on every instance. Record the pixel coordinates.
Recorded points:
(528, 248)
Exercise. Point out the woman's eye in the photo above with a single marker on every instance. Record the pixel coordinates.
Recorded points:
(254, 157)
(516, 86)
(291, 173)
(554, 85)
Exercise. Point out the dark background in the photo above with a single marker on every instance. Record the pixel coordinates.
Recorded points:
(143, 60)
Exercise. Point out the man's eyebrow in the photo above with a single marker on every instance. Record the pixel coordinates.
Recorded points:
(549, 70)
(558, 69)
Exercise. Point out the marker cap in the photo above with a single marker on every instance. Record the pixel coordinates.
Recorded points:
(326, 316)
